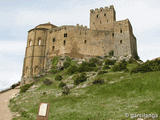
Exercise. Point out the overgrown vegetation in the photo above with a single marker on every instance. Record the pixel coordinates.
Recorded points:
(100, 92)
(111, 53)
(62, 84)
(148, 66)
(72, 69)
(121, 66)
(79, 78)
(25, 87)
(47, 82)
(110, 62)
(58, 77)
(98, 81)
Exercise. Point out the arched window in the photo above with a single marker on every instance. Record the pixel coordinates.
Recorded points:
(65, 34)
(120, 41)
(53, 48)
(97, 16)
(112, 34)
(30, 43)
(121, 31)
(39, 42)
(54, 40)
(64, 42)
(85, 41)
(104, 14)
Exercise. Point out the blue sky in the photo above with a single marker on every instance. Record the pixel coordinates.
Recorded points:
(18, 16)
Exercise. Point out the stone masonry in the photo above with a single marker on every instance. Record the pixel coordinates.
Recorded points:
(104, 35)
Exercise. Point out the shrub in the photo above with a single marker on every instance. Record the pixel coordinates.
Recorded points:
(66, 64)
(24, 114)
(86, 67)
(68, 59)
(98, 81)
(65, 90)
(132, 60)
(137, 57)
(148, 66)
(110, 62)
(47, 82)
(101, 72)
(106, 67)
(111, 53)
(54, 70)
(62, 84)
(15, 85)
(55, 61)
(58, 77)
(121, 66)
(24, 88)
(94, 61)
(79, 78)
(72, 69)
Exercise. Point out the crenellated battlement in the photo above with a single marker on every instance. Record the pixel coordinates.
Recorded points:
(102, 9)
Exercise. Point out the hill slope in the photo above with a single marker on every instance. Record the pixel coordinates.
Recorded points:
(120, 93)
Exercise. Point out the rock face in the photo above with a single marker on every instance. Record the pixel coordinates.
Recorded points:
(104, 37)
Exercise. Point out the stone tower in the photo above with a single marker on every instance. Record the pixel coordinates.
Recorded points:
(103, 18)
(35, 51)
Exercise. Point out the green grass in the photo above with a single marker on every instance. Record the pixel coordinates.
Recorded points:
(122, 93)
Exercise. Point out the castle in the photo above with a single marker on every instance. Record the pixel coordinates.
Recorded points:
(104, 35)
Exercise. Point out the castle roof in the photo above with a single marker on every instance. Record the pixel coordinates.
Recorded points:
(45, 26)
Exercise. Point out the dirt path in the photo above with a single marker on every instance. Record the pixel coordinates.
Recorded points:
(5, 113)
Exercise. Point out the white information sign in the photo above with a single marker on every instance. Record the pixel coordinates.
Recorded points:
(43, 109)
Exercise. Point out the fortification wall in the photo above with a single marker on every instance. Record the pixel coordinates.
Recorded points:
(79, 42)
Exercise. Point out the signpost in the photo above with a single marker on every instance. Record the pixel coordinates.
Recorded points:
(43, 111)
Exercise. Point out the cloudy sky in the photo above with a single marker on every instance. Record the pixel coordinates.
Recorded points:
(18, 16)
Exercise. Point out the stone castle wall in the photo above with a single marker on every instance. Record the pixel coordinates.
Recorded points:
(104, 35)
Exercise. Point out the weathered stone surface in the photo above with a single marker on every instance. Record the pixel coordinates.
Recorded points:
(104, 35)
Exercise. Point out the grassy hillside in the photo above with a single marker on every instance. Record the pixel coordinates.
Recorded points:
(119, 93)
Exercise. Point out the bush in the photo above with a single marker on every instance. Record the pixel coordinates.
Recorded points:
(110, 62)
(86, 67)
(111, 53)
(101, 72)
(66, 64)
(132, 60)
(62, 84)
(98, 81)
(54, 70)
(15, 85)
(72, 69)
(79, 78)
(24, 88)
(137, 57)
(94, 61)
(47, 82)
(121, 66)
(65, 90)
(55, 61)
(148, 66)
(106, 67)
(58, 77)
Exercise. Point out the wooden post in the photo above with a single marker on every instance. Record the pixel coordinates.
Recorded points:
(43, 111)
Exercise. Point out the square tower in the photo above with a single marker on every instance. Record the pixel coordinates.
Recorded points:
(103, 18)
